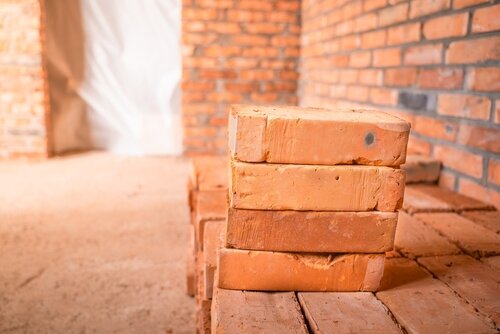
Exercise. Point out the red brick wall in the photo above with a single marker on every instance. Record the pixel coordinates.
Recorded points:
(23, 106)
(433, 62)
(235, 51)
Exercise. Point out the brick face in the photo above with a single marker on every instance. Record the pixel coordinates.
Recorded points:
(238, 52)
(23, 98)
(434, 63)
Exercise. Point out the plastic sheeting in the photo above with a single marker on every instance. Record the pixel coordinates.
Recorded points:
(114, 71)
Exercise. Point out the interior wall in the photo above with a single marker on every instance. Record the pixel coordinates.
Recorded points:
(114, 73)
(435, 63)
(23, 107)
(235, 51)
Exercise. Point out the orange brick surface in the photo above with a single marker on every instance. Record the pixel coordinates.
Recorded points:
(316, 136)
(275, 271)
(314, 187)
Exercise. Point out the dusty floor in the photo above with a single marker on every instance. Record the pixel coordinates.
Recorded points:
(94, 243)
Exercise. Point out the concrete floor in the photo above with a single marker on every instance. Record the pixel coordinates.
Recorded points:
(94, 243)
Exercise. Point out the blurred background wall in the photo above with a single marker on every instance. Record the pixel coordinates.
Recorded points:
(235, 52)
(23, 99)
(433, 62)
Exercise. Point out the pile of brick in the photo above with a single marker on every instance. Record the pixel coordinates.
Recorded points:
(313, 198)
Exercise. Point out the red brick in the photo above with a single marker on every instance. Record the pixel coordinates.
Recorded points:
(484, 138)
(403, 34)
(421, 8)
(407, 287)
(256, 4)
(474, 239)
(473, 51)
(250, 40)
(298, 272)
(424, 54)
(446, 26)
(435, 128)
(494, 171)
(441, 78)
(387, 57)
(264, 28)
(400, 76)
(486, 19)
(365, 22)
(487, 219)
(256, 74)
(468, 106)
(241, 87)
(393, 14)
(245, 15)
(369, 5)
(383, 96)
(373, 39)
(357, 93)
(236, 311)
(468, 163)
(360, 59)
(257, 135)
(224, 27)
(222, 51)
(467, 3)
(292, 6)
(264, 187)
(309, 231)
(371, 77)
(419, 146)
(415, 239)
(318, 306)
(484, 79)
(475, 190)
(447, 180)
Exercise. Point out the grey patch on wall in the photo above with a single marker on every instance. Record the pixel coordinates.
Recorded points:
(416, 101)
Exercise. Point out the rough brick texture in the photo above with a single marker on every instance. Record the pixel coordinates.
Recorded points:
(235, 52)
(433, 63)
(23, 104)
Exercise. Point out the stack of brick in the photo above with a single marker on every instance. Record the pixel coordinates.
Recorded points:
(207, 189)
(313, 198)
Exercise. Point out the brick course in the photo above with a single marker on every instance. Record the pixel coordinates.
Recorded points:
(434, 63)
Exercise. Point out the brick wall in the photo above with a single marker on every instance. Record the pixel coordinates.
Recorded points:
(433, 62)
(23, 103)
(235, 51)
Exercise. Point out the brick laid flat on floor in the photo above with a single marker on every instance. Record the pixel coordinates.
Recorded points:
(316, 136)
(417, 201)
(317, 188)
(414, 239)
(211, 244)
(346, 312)
(209, 173)
(247, 312)
(474, 239)
(471, 279)
(431, 198)
(493, 262)
(311, 231)
(422, 304)
(420, 169)
(488, 219)
(276, 271)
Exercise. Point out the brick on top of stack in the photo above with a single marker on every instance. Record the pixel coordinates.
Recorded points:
(306, 180)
